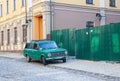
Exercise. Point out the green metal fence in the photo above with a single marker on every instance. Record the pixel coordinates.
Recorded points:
(65, 39)
(98, 43)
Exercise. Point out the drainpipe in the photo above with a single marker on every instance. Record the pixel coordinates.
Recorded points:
(102, 12)
(27, 21)
(51, 25)
(26, 12)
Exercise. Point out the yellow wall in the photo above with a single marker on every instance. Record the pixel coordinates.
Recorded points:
(96, 3)
(117, 4)
(13, 14)
(8, 20)
(79, 2)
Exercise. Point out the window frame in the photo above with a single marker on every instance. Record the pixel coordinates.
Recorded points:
(24, 28)
(22, 2)
(8, 36)
(89, 1)
(1, 12)
(14, 4)
(111, 4)
(15, 35)
(7, 6)
(2, 38)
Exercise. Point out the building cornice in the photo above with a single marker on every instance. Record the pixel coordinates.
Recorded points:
(7, 20)
(71, 5)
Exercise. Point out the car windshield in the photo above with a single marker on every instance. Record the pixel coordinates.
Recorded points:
(48, 45)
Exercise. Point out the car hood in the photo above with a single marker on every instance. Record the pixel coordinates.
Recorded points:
(54, 50)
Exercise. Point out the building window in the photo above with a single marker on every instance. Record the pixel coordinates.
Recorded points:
(24, 33)
(15, 35)
(14, 4)
(112, 3)
(8, 36)
(2, 37)
(22, 2)
(1, 10)
(89, 1)
(7, 7)
(89, 24)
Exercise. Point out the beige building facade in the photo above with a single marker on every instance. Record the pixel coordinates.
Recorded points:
(26, 20)
(13, 30)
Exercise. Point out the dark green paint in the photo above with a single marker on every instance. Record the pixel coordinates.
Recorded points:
(97, 43)
(38, 53)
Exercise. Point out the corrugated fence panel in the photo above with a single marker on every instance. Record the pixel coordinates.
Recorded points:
(98, 43)
(71, 42)
(65, 39)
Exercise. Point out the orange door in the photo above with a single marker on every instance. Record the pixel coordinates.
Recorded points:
(38, 28)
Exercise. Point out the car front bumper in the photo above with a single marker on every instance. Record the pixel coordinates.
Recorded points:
(56, 58)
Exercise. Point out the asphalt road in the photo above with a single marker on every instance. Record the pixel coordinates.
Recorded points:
(17, 69)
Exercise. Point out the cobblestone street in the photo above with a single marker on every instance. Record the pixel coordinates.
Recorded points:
(20, 70)
(17, 69)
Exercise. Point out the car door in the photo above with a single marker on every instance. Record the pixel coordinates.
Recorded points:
(30, 51)
(25, 51)
(36, 54)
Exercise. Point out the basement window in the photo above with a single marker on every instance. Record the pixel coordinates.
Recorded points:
(89, 24)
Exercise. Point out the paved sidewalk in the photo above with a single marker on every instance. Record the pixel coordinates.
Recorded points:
(11, 55)
(99, 67)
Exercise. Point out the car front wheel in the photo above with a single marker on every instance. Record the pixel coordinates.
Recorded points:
(44, 60)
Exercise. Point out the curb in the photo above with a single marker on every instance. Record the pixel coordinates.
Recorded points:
(91, 74)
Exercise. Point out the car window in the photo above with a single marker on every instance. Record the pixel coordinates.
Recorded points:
(27, 45)
(48, 45)
(35, 46)
(31, 46)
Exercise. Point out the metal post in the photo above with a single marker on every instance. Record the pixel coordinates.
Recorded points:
(26, 17)
(26, 12)
(50, 15)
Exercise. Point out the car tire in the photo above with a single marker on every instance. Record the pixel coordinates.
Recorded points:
(64, 60)
(28, 58)
(44, 60)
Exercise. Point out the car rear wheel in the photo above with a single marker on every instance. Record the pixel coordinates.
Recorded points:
(28, 58)
(44, 60)
(64, 60)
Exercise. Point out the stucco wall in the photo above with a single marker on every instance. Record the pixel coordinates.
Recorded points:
(73, 16)
(112, 16)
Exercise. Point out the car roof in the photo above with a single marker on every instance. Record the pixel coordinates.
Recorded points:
(41, 41)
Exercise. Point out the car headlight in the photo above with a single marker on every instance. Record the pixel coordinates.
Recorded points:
(66, 52)
(49, 54)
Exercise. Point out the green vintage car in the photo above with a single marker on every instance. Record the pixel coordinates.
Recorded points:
(44, 50)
